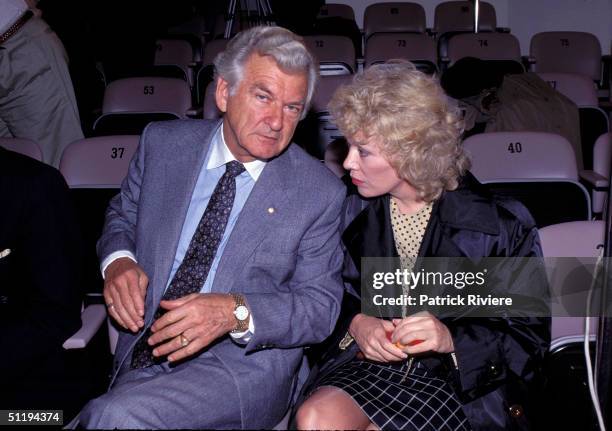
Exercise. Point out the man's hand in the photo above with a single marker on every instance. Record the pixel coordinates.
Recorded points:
(370, 333)
(192, 323)
(422, 326)
(125, 287)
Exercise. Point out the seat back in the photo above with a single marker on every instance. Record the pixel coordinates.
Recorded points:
(567, 51)
(100, 162)
(521, 155)
(578, 244)
(206, 73)
(131, 103)
(537, 169)
(578, 88)
(402, 17)
(316, 131)
(175, 52)
(336, 10)
(26, 147)
(454, 16)
(211, 49)
(336, 54)
(335, 153)
(485, 46)
(602, 155)
(602, 159)
(147, 94)
(418, 48)
(581, 90)
(593, 123)
(210, 109)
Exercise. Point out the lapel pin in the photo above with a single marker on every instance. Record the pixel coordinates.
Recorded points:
(6, 252)
(271, 210)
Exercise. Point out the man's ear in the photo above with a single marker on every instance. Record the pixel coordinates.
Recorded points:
(222, 94)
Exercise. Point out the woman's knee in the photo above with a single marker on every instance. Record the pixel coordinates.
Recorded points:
(308, 416)
(330, 408)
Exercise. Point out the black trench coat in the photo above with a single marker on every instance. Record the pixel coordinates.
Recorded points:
(499, 360)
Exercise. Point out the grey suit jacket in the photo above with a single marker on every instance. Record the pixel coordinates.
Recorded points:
(286, 262)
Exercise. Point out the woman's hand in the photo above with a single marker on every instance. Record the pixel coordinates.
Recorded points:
(370, 334)
(423, 326)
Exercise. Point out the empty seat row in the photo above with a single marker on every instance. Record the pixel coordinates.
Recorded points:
(131, 103)
(550, 52)
(409, 17)
(539, 169)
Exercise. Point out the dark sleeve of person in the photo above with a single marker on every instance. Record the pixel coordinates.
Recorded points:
(40, 277)
(490, 351)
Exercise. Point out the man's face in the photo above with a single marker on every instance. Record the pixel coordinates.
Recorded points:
(263, 111)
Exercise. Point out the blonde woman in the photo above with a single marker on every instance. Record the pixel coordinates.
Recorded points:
(416, 198)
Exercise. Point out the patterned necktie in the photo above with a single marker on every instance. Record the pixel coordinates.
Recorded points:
(193, 270)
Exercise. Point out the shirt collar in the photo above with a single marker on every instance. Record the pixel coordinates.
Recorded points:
(220, 155)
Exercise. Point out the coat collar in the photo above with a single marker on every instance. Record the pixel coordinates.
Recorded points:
(469, 207)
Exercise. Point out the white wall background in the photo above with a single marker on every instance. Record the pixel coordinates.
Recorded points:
(527, 17)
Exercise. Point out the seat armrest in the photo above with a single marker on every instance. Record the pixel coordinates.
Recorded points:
(598, 181)
(92, 318)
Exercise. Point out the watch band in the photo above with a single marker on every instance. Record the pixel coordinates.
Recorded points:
(241, 325)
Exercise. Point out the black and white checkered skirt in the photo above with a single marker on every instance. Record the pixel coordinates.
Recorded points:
(393, 399)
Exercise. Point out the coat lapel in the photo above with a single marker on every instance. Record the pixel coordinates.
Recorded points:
(371, 234)
(255, 221)
(178, 190)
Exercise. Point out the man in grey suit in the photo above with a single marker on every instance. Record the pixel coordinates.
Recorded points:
(221, 254)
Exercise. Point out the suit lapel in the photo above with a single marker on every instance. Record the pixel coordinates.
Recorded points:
(178, 189)
(256, 221)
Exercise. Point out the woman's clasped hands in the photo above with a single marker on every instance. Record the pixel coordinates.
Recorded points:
(388, 341)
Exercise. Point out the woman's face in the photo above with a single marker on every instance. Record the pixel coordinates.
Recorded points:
(370, 171)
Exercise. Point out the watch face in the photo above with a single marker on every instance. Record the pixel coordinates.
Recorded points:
(241, 312)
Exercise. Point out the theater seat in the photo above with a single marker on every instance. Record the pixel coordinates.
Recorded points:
(570, 251)
(598, 178)
(209, 108)
(131, 103)
(538, 169)
(393, 17)
(420, 49)
(336, 54)
(458, 16)
(581, 90)
(206, 73)
(339, 10)
(501, 48)
(315, 132)
(178, 54)
(577, 244)
(94, 169)
(566, 51)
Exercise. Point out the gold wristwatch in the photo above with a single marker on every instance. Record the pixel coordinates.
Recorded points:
(241, 313)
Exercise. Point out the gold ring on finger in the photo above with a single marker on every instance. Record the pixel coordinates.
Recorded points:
(184, 340)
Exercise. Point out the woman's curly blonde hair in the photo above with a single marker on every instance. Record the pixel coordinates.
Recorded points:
(418, 127)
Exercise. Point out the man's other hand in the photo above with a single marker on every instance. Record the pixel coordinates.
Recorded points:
(192, 323)
(125, 287)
